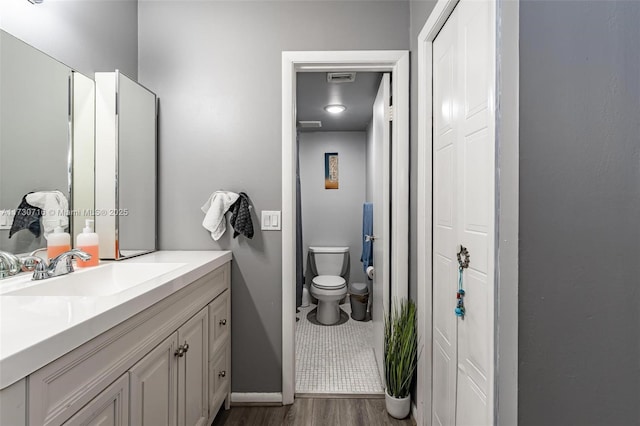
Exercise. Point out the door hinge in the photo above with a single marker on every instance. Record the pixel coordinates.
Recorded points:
(390, 113)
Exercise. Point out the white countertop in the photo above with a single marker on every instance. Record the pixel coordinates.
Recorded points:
(36, 330)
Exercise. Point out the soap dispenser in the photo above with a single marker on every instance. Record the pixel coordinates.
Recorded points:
(58, 242)
(87, 241)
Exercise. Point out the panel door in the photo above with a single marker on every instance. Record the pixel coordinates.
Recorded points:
(153, 386)
(475, 207)
(445, 174)
(381, 216)
(109, 408)
(464, 214)
(193, 406)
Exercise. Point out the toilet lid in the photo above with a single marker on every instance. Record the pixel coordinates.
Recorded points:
(328, 282)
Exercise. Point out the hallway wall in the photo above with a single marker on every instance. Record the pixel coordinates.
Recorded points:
(579, 323)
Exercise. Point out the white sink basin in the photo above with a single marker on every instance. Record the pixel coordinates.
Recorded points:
(104, 280)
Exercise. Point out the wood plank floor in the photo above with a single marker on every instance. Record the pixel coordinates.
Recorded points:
(313, 412)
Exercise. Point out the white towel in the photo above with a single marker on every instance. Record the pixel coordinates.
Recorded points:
(55, 209)
(215, 208)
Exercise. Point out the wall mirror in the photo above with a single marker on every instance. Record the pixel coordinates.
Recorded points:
(38, 136)
(48, 141)
(126, 117)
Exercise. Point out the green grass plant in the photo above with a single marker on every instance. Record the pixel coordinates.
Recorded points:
(400, 348)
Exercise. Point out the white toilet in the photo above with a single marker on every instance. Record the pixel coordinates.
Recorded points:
(328, 268)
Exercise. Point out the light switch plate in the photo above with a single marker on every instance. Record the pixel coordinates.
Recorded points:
(270, 220)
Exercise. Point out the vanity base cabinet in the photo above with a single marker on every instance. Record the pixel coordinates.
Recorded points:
(110, 408)
(162, 387)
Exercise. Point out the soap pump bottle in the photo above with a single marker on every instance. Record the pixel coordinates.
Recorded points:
(58, 242)
(87, 241)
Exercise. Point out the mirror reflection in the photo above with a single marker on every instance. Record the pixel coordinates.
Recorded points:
(34, 143)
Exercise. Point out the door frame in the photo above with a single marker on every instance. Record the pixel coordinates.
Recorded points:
(506, 205)
(397, 63)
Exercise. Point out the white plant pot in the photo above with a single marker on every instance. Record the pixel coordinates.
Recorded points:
(397, 407)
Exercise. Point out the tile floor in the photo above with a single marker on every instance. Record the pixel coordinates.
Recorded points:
(337, 359)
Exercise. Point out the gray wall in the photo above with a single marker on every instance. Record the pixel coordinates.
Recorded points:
(579, 322)
(89, 36)
(333, 217)
(216, 67)
(420, 11)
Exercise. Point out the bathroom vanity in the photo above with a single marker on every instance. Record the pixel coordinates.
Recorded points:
(144, 341)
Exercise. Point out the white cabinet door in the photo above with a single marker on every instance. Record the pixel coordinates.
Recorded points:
(193, 407)
(153, 386)
(109, 408)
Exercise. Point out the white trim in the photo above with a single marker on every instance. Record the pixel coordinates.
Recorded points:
(256, 398)
(396, 62)
(506, 246)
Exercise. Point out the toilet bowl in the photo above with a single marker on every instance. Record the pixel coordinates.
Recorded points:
(327, 277)
(329, 290)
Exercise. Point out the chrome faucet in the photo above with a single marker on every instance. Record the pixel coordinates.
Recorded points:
(59, 265)
(9, 264)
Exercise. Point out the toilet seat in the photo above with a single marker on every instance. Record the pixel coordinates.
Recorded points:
(328, 282)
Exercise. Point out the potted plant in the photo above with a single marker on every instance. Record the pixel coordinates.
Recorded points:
(400, 357)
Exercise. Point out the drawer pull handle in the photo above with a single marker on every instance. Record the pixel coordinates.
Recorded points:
(182, 349)
(223, 322)
(222, 373)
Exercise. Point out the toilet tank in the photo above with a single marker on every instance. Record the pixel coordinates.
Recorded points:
(329, 260)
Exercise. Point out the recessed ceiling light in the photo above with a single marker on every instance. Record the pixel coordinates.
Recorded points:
(335, 109)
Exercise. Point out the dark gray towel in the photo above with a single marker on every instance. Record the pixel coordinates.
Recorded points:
(241, 217)
(26, 217)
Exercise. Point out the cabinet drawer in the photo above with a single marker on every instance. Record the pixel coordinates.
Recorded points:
(110, 408)
(219, 322)
(219, 378)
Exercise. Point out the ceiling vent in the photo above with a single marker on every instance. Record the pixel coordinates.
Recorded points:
(341, 77)
(309, 124)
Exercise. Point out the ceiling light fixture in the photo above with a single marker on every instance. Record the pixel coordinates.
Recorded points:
(36, 1)
(335, 109)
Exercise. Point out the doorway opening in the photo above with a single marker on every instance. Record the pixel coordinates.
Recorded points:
(392, 266)
(336, 174)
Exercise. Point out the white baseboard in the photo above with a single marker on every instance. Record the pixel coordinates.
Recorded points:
(256, 398)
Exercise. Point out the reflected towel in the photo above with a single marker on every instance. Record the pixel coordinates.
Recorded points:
(26, 217)
(55, 209)
(367, 229)
(215, 208)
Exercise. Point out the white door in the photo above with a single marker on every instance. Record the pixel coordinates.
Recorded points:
(464, 214)
(381, 215)
(444, 223)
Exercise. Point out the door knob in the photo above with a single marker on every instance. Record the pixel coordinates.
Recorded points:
(223, 322)
(222, 373)
(370, 237)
